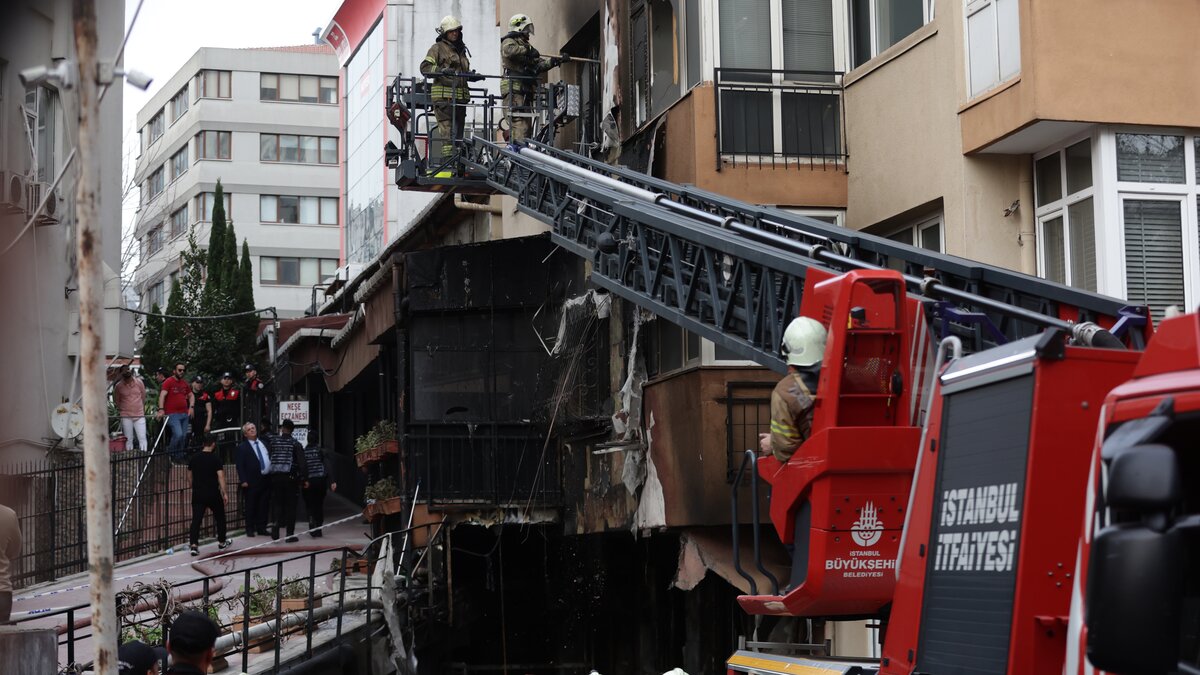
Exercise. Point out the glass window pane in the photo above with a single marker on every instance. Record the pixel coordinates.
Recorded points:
(1009, 37)
(329, 89)
(1154, 254)
(1049, 179)
(308, 210)
(269, 87)
(289, 209)
(329, 150)
(1082, 218)
(268, 150)
(1150, 158)
(308, 149)
(1079, 167)
(1054, 264)
(289, 87)
(224, 142)
(329, 209)
(267, 270)
(931, 237)
(267, 208)
(308, 89)
(224, 91)
(210, 145)
(740, 21)
(807, 35)
(328, 268)
(289, 271)
(896, 19)
(981, 44)
(289, 148)
(309, 271)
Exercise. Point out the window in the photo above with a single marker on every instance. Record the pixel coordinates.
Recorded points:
(993, 43)
(156, 182)
(876, 25)
(298, 210)
(179, 221)
(179, 163)
(41, 106)
(297, 149)
(1066, 216)
(154, 240)
(923, 233)
(778, 95)
(297, 88)
(155, 295)
(296, 271)
(213, 145)
(156, 127)
(179, 104)
(670, 348)
(211, 84)
(204, 206)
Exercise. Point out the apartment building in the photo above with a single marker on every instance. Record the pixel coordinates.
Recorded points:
(38, 130)
(264, 122)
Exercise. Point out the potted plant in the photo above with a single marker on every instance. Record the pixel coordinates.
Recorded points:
(379, 441)
(258, 606)
(295, 596)
(383, 498)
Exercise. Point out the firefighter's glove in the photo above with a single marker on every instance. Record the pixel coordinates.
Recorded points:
(555, 61)
(564, 58)
(448, 72)
(473, 76)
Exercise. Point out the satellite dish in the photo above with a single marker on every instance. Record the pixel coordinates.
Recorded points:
(66, 419)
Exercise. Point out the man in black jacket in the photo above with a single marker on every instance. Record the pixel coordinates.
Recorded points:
(253, 463)
(190, 641)
(285, 474)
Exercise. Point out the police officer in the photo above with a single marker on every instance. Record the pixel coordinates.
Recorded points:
(444, 65)
(227, 404)
(522, 64)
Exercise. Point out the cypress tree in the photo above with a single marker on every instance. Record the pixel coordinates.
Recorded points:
(245, 302)
(217, 247)
(231, 275)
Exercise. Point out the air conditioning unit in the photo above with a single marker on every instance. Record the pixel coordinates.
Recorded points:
(12, 192)
(52, 213)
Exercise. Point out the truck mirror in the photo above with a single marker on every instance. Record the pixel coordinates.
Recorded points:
(1144, 478)
(1135, 581)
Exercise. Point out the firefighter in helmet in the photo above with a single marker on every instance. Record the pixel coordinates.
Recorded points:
(792, 400)
(522, 64)
(446, 65)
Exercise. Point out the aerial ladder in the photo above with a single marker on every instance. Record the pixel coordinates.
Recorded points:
(925, 351)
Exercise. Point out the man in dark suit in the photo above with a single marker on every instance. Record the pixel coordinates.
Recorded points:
(253, 464)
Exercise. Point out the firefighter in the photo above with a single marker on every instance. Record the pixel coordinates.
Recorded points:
(444, 64)
(522, 64)
(792, 400)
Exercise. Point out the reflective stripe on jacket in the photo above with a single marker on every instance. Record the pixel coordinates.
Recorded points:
(445, 56)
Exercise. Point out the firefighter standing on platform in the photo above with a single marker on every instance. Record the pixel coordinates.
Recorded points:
(445, 64)
(792, 400)
(522, 64)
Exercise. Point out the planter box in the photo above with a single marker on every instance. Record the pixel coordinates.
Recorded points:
(384, 507)
(377, 453)
(297, 604)
(355, 566)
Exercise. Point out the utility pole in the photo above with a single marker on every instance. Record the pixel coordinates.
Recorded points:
(89, 251)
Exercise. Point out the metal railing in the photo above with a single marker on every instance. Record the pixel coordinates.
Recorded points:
(152, 509)
(770, 118)
(747, 413)
(488, 464)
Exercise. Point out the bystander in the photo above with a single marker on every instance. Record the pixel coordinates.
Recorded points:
(175, 401)
(208, 492)
(253, 464)
(10, 548)
(129, 397)
(190, 643)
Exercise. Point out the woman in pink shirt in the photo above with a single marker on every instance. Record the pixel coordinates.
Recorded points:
(129, 394)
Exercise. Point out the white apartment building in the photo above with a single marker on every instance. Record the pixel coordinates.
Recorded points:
(264, 122)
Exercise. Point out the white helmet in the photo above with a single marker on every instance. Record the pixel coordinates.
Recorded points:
(448, 24)
(804, 342)
(521, 22)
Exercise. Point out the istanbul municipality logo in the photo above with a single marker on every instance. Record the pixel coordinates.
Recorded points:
(867, 530)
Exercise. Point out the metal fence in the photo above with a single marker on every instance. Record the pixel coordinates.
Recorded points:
(747, 413)
(488, 464)
(770, 118)
(151, 510)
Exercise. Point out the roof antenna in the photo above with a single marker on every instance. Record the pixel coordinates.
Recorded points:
(317, 35)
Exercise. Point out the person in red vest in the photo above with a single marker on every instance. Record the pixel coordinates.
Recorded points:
(227, 404)
(175, 401)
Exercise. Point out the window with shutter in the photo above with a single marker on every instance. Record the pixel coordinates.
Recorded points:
(1154, 269)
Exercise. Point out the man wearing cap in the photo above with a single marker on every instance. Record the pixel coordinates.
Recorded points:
(202, 410)
(255, 391)
(190, 641)
(253, 463)
(287, 468)
(227, 403)
(139, 658)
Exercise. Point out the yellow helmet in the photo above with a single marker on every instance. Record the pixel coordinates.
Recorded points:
(448, 24)
(522, 23)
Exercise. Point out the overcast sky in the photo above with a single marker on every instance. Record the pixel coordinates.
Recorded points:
(168, 33)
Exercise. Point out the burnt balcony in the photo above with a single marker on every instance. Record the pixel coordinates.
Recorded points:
(779, 118)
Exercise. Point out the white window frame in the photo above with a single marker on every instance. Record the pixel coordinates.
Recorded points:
(971, 8)
(928, 11)
(841, 59)
(918, 226)
(1061, 206)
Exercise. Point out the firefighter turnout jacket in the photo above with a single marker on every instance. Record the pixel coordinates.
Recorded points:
(445, 55)
(791, 416)
(522, 63)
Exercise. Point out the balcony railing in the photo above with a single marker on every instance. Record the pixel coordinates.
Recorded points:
(780, 118)
(481, 464)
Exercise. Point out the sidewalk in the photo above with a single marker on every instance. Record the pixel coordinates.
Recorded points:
(180, 566)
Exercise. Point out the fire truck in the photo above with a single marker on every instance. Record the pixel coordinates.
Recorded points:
(998, 471)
